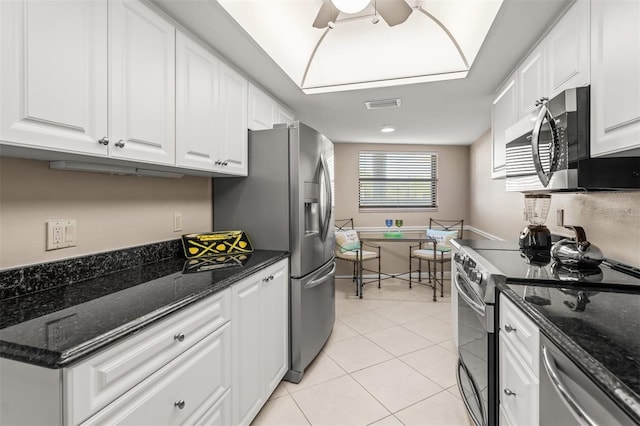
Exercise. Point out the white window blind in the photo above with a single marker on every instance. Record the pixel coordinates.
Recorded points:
(402, 180)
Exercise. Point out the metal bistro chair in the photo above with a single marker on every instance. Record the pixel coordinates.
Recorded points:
(445, 230)
(348, 247)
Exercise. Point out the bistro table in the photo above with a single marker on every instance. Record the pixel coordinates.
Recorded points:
(392, 237)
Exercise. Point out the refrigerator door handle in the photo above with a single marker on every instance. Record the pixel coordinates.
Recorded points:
(321, 279)
(324, 225)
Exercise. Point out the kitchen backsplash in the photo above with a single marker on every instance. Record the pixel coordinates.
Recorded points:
(45, 276)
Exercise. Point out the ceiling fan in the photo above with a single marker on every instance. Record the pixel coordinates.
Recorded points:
(394, 12)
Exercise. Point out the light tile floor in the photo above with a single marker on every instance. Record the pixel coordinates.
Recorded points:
(389, 361)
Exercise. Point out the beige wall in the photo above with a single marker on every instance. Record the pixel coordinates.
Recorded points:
(453, 195)
(611, 220)
(112, 212)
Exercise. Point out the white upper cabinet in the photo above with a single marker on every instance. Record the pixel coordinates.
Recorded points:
(615, 69)
(531, 82)
(504, 113)
(54, 75)
(567, 50)
(282, 114)
(142, 105)
(233, 121)
(197, 99)
(260, 109)
(264, 111)
(559, 61)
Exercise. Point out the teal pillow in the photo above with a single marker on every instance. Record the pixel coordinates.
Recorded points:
(348, 240)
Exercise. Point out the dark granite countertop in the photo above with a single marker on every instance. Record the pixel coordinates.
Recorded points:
(603, 339)
(99, 311)
(596, 325)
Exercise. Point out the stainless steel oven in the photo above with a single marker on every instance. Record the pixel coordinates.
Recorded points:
(477, 372)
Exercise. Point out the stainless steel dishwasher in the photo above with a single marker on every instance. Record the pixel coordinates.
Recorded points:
(568, 397)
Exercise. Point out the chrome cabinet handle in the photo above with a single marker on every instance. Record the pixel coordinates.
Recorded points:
(180, 404)
(509, 328)
(569, 400)
(267, 279)
(509, 392)
(120, 144)
(225, 162)
(104, 141)
(543, 100)
(179, 337)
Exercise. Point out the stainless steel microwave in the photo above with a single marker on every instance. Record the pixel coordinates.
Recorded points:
(549, 150)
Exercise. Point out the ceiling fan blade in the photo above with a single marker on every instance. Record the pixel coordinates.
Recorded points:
(394, 12)
(327, 13)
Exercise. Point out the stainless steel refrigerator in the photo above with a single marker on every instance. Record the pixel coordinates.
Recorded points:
(286, 203)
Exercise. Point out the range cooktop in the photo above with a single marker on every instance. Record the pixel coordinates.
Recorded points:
(519, 267)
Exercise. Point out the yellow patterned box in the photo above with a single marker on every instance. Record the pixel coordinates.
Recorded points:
(215, 244)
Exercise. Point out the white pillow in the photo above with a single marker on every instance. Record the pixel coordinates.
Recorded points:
(348, 240)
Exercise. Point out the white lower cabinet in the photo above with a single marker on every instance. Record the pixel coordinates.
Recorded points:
(213, 363)
(260, 339)
(179, 393)
(518, 364)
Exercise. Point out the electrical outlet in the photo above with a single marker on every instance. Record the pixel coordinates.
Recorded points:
(61, 233)
(177, 222)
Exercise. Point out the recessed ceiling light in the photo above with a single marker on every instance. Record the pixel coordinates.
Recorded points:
(387, 128)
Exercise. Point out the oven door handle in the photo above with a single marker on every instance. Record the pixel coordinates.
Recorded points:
(476, 397)
(480, 309)
(568, 399)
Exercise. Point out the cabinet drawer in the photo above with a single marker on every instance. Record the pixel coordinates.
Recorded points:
(518, 388)
(521, 332)
(99, 380)
(195, 381)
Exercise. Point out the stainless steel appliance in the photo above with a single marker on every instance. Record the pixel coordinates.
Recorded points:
(286, 204)
(475, 282)
(590, 340)
(551, 150)
(568, 397)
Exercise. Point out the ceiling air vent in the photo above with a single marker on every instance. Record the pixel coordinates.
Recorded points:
(383, 103)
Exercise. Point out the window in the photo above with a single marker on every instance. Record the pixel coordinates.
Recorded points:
(398, 180)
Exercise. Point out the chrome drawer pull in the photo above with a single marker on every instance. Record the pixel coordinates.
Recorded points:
(120, 144)
(180, 404)
(179, 337)
(508, 328)
(104, 141)
(509, 392)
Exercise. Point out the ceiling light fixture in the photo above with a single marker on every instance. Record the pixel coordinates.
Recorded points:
(350, 6)
(387, 128)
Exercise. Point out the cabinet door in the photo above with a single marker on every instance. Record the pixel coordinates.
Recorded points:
(179, 393)
(567, 50)
(247, 388)
(504, 113)
(518, 388)
(142, 104)
(276, 323)
(531, 84)
(233, 121)
(197, 97)
(282, 115)
(54, 75)
(260, 109)
(615, 69)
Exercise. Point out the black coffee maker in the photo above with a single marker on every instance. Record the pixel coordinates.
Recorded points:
(536, 236)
